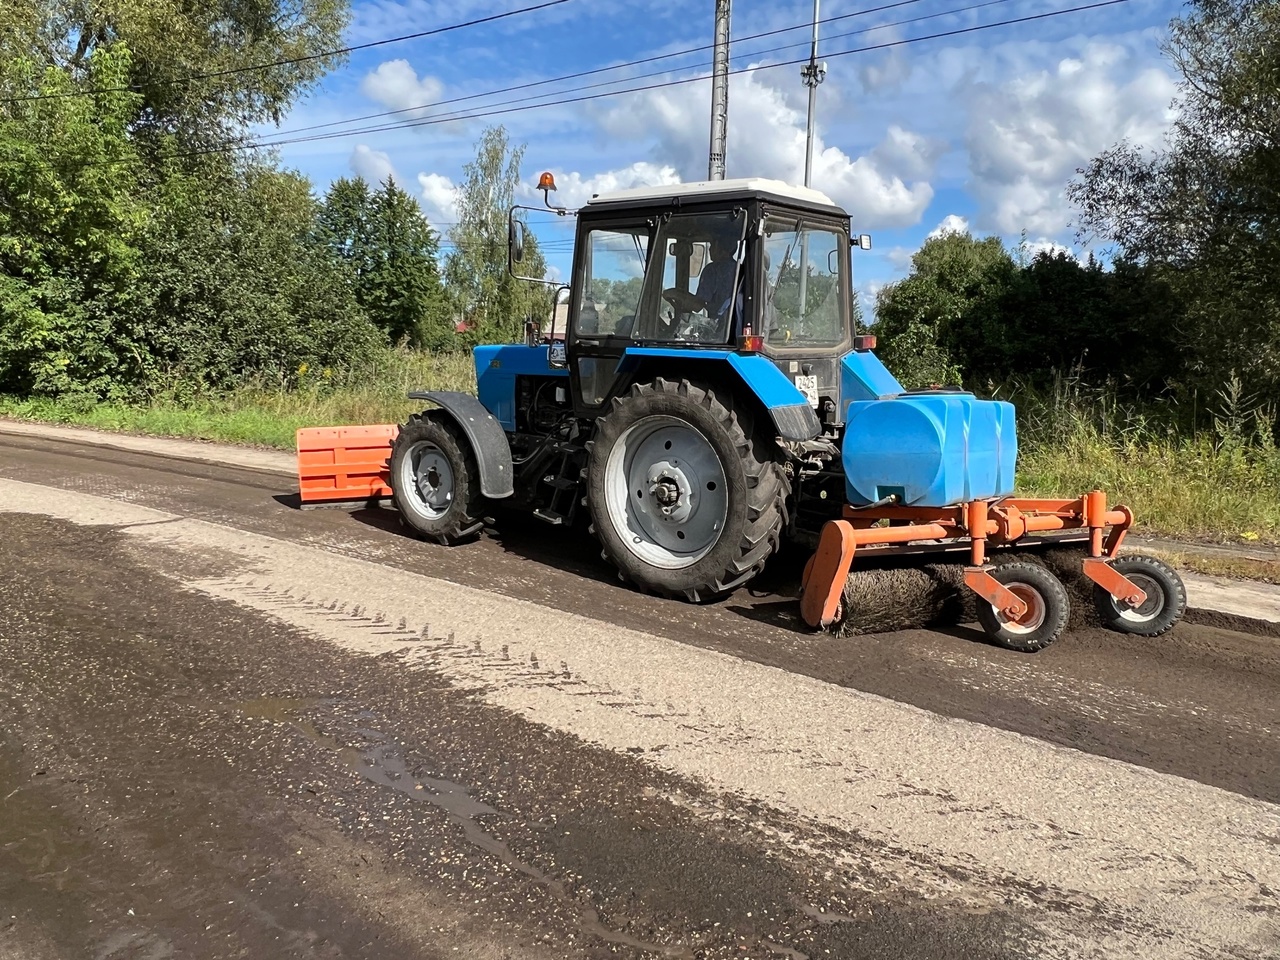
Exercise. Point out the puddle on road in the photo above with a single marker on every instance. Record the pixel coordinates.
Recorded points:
(381, 763)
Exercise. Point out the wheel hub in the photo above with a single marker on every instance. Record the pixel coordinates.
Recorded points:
(430, 477)
(671, 491)
(1151, 608)
(668, 485)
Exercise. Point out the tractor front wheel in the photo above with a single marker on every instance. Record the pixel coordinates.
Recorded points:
(435, 481)
(686, 498)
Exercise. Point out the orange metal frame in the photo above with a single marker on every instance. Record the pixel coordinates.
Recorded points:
(1004, 522)
(344, 463)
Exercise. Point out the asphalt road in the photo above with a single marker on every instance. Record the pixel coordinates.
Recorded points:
(234, 728)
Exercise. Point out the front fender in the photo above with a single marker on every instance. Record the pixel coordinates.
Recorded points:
(484, 433)
(793, 418)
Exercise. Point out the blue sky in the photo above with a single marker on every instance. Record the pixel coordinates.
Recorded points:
(978, 131)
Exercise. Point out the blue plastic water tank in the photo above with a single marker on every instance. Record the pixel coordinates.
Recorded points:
(931, 449)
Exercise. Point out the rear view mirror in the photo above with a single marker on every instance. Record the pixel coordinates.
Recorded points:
(515, 241)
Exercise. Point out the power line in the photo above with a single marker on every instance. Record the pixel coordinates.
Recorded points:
(606, 83)
(507, 106)
(617, 66)
(502, 108)
(737, 56)
(291, 60)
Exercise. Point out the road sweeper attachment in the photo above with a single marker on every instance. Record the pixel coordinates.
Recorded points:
(1022, 605)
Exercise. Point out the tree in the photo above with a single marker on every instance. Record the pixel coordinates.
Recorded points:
(129, 264)
(189, 58)
(403, 294)
(69, 221)
(955, 284)
(391, 253)
(1204, 211)
(236, 288)
(493, 304)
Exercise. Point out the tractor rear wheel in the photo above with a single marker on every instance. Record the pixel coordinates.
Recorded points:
(435, 481)
(686, 498)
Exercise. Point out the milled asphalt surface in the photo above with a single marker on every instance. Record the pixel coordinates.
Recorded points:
(199, 738)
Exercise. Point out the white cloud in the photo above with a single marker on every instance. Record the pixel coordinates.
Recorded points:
(767, 139)
(908, 154)
(1033, 248)
(396, 85)
(373, 165)
(900, 257)
(867, 293)
(885, 74)
(439, 199)
(951, 223)
(573, 189)
(1029, 134)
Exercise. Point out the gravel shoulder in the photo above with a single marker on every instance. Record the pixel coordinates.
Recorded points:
(1072, 853)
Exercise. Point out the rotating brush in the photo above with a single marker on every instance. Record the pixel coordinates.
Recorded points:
(884, 599)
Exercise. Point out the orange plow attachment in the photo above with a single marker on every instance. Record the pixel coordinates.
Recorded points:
(337, 464)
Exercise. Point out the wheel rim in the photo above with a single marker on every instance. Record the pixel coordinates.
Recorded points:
(1147, 611)
(666, 492)
(1037, 610)
(426, 474)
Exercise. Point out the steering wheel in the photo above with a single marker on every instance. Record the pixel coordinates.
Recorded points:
(682, 300)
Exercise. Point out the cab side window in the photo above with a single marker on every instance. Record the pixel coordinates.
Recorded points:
(703, 279)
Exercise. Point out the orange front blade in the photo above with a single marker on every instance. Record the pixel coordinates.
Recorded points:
(345, 463)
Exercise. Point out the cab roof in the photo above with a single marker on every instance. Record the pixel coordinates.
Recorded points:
(677, 194)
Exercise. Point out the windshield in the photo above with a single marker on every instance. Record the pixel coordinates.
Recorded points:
(805, 281)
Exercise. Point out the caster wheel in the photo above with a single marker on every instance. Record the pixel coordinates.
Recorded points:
(1166, 598)
(1048, 608)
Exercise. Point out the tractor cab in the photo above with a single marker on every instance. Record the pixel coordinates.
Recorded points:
(748, 266)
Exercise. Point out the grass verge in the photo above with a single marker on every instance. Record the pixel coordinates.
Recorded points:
(1222, 487)
(1211, 565)
(267, 416)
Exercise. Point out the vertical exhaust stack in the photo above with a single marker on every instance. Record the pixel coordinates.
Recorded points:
(720, 93)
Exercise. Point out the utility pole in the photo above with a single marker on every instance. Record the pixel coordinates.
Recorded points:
(720, 93)
(812, 73)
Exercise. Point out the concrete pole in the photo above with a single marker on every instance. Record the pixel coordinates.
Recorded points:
(719, 93)
(812, 73)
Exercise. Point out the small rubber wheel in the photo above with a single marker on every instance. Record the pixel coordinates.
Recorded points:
(435, 481)
(1166, 598)
(1048, 608)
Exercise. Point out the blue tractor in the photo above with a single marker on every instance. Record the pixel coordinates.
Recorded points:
(702, 396)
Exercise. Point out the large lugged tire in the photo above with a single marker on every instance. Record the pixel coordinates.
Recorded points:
(686, 498)
(1049, 608)
(1166, 598)
(435, 481)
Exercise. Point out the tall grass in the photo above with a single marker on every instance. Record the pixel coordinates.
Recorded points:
(1220, 483)
(268, 414)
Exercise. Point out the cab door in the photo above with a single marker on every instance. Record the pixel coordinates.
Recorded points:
(608, 286)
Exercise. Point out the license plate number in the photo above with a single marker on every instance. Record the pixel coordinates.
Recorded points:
(809, 387)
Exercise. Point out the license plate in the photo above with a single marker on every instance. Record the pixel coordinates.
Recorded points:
(809, 387)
